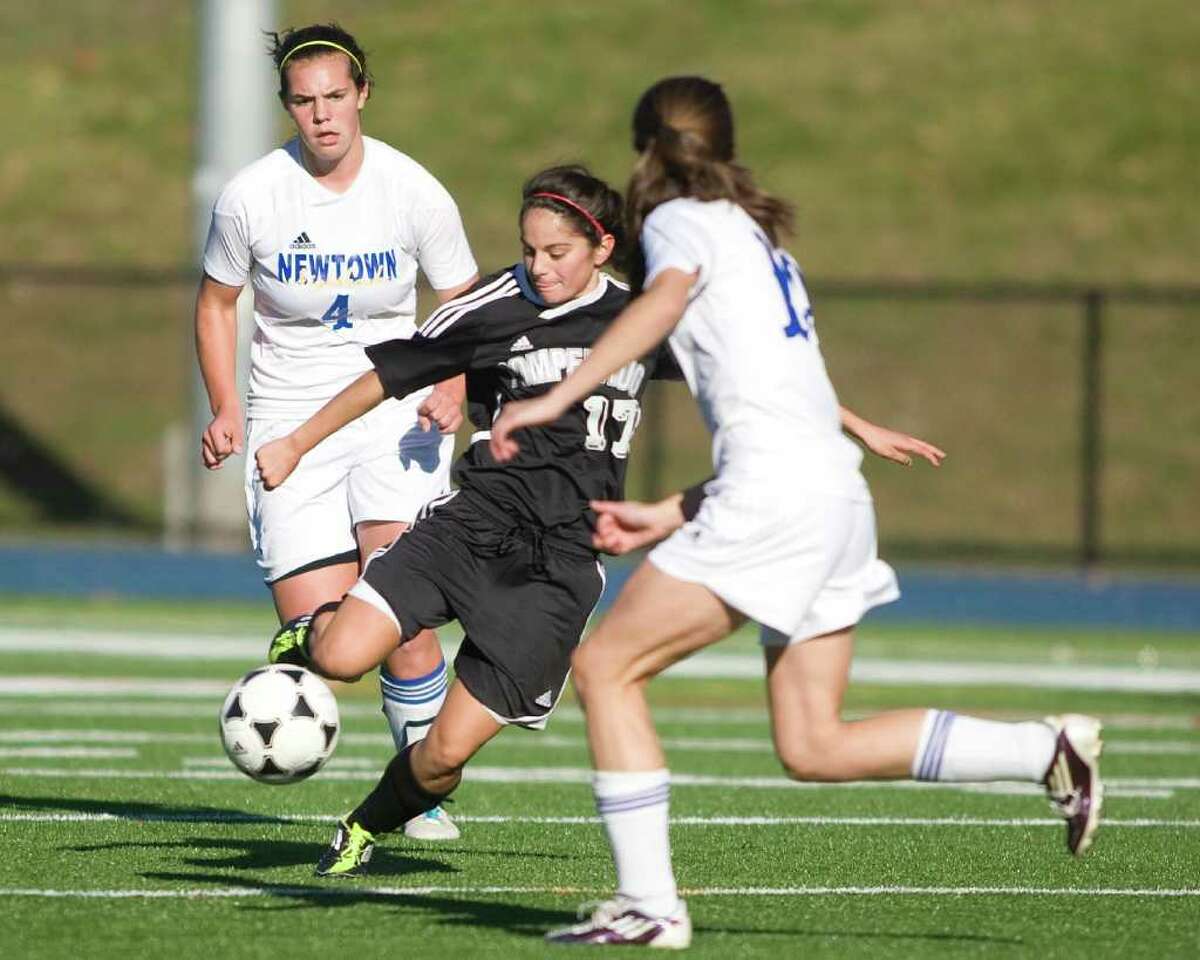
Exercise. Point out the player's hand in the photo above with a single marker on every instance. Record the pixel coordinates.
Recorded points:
(276, 461)
(442, 410)
(624, 525)
(223, 436)
(898, 447)
(518, 415)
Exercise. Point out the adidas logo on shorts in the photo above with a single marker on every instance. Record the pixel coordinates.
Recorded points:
(546, 699)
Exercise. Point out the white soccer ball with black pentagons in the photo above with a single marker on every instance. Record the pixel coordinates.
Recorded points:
(279, 723)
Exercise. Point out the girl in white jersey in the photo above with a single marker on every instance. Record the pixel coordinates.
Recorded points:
(329, 230)
(783, 534)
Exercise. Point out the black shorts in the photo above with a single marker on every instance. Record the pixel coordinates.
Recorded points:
(522, 597)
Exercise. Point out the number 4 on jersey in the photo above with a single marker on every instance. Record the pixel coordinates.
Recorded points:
(787, 274)
(339, 313)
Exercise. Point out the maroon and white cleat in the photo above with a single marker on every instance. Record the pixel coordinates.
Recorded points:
(1073, 779)
(619, 923)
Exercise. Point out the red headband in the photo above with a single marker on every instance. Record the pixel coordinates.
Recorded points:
(596, 224)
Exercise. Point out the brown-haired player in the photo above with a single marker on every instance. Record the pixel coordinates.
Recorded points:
(330, 230)
(784, 534)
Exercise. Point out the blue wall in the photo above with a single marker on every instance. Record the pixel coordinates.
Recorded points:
(1046, 599)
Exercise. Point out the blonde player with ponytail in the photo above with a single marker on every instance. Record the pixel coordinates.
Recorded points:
(784, 533)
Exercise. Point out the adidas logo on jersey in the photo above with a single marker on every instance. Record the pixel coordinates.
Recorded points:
(546, 699)
(521, 343)
(302, 242)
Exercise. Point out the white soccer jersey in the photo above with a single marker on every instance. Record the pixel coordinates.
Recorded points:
(748, 349)
(331, 273)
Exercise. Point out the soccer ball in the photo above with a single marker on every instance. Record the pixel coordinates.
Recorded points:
(279, 724)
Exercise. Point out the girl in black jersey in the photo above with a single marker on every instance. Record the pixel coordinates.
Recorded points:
(510, 554)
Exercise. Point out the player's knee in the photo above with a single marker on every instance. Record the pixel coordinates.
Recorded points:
(580, 674)
(441, 759)
(588, 669)
(332, 660)
(413, 654)
(810, 755)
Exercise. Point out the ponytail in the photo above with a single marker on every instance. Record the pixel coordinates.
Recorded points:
(683, 128)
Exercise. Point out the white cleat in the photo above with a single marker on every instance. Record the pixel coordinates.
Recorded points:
(619, 923)
(433, 824)
(1073, 778)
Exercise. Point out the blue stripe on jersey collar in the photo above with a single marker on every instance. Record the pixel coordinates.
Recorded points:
(527, 290)
(556, 311)
(601, 288)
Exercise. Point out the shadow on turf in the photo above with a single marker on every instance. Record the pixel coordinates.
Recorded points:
(330, 894)
(253, 853)
(259, 854)
(510, 917)
(248, 853)
(136, 810)
(244, 853)
(500, 915)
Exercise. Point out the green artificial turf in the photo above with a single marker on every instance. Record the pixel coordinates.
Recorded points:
(151, 838)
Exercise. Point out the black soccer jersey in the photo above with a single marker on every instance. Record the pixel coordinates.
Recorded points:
(512, 348)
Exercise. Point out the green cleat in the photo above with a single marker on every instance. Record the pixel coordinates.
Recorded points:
(349, 852)
(290, 643)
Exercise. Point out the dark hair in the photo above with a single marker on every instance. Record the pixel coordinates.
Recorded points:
(577, 184)
(683, 131)
(325, 38)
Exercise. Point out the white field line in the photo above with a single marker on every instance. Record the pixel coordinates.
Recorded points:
(727, 745)
(324, 892)
(1025, 675)
(138, 816)
(1149, 748)
(1150, 788)
(765, 746)
(206, 707)
(27, 705)
(62, 735)
(67, 753)
(545, 740)
(48, 686)
(250, 650)
(141, 646)
(1142, 721)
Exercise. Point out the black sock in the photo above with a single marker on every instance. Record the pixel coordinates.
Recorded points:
(396, 799)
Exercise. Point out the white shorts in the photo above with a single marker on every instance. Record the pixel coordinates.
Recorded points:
(382, 466)
(801, 568)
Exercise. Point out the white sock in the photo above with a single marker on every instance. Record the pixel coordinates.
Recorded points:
(411, 705)
(963, 749)
(634, 809)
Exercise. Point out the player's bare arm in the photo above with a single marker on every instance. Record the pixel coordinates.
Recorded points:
(277, 459)
(625, 525)
(216, 349)
(640, 327)
(889, 444)
(443, 407)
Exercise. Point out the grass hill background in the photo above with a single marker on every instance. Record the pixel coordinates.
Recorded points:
(934, 140)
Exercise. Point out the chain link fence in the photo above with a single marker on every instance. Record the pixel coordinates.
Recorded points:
(1071, 414)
